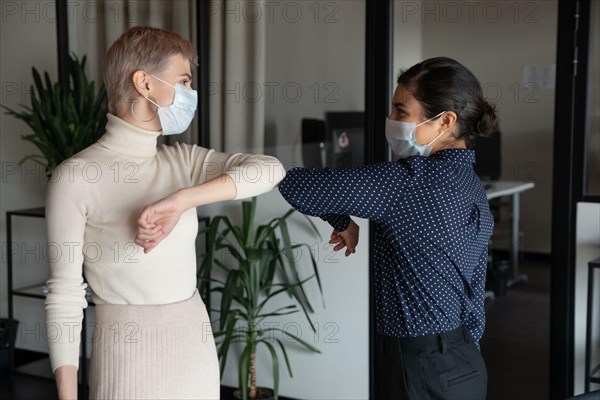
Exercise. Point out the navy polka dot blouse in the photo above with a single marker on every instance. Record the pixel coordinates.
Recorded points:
(432, 227)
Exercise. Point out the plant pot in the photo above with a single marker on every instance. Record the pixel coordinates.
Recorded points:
(261, 393)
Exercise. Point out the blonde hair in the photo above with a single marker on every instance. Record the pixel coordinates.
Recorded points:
(140, 48)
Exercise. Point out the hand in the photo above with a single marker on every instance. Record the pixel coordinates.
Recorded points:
(347, 238)
(158, 220)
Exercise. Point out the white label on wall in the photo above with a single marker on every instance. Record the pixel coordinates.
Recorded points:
(543, 75)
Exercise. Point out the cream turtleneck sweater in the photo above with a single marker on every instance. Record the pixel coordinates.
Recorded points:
(93, 202)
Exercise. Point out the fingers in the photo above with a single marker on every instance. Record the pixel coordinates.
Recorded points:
(146, 219)
(149, 234)
(149, 238)
(339, 245)
(336, 240)
(148, 245)
(335, 237)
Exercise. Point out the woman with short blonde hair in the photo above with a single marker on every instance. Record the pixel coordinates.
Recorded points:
(152, 338)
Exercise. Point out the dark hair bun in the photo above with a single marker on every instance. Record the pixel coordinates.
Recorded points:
(488, 124)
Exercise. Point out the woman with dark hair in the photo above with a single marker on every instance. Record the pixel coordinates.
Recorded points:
(432, 227)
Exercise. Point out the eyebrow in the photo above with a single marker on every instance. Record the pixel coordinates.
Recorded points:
(187, 75)
(399, 105)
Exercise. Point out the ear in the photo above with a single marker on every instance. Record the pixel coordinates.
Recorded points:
(448, 120)
(141, 82)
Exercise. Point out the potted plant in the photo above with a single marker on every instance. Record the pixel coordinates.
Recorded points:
(259, 255)
(64, 119)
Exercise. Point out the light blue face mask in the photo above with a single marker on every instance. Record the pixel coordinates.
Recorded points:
(401, 138)
(177, 117)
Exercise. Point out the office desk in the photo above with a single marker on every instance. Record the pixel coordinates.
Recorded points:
(497, 189)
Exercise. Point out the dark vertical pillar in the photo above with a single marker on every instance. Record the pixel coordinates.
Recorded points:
(62, 40)
(202, 30)
(569, 130)
(378, 56)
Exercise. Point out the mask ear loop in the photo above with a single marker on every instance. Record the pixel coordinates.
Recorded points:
(140, 120)
(430, 119)
(165, 82)
(151, 101)
(437, 137)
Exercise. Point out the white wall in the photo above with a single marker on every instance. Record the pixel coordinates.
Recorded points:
(407, 36)
(23, 24)
(588, 248)
(495, 40)
(323, 55)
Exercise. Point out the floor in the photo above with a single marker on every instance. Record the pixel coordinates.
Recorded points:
(515, 344)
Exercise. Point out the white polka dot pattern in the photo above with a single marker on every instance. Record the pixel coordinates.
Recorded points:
(432, 228)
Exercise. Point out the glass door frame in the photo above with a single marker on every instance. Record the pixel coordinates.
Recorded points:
(568, 186)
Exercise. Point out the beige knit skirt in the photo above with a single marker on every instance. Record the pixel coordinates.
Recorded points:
(154, 352)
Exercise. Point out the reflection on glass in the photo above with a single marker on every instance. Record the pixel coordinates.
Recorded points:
(592, 128)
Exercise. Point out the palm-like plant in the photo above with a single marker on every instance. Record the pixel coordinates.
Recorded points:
(64, 120)
(259, 257)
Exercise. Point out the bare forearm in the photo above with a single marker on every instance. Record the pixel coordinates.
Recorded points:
(218, 189)
(66, 382)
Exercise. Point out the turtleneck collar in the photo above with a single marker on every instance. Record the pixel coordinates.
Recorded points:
(124, 138)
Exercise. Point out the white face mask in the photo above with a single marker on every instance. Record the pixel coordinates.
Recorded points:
(401, 138)
(177, 117)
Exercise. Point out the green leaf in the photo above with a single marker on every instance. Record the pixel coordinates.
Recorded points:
(315, 270)
(64, 119)
(284, 288)
(262, 233)
(285, 357)
(303, 300)
(307, 345)
(227, 298)
(206, 267)
(244, 370)
(278, 313)
(275, 361)
(229, 335)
